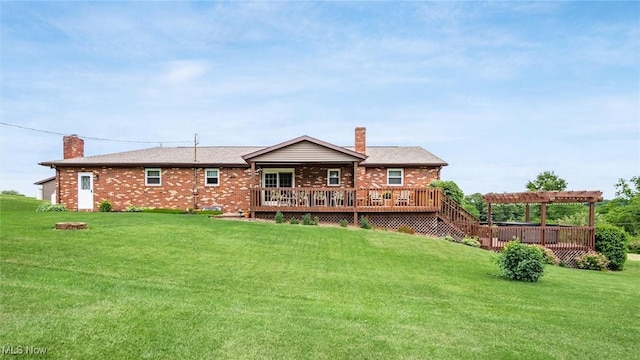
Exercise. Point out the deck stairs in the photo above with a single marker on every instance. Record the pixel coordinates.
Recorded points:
(454, 220)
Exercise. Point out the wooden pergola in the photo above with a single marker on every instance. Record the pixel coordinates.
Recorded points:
(543, 198)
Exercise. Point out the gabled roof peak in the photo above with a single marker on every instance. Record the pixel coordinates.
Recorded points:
(301, 139)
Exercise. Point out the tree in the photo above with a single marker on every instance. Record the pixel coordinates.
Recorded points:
(628, 191)
(624, 210)
(475, 204)
(449, 188)
(547, 181)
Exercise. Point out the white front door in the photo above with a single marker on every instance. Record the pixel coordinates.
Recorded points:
(85, 191)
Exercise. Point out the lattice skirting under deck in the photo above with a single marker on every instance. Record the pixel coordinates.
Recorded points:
(327, 218)
(568, 257)
(427, 224)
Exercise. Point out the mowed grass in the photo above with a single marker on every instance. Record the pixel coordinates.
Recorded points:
(139, 285)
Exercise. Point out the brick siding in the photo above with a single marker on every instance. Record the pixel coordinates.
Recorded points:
(125, 187)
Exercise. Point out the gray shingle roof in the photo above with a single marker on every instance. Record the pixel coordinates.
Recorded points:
(176, 156)
(400, 155)
(232, 156)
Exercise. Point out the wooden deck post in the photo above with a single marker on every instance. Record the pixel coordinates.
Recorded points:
(527, 214)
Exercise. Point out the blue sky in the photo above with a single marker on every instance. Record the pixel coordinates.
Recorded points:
(500, 90)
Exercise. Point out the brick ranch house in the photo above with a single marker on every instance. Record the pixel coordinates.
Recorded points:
(387, 184)
(302, 175)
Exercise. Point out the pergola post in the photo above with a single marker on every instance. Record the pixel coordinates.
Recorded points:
(592, 224)
(527, 213)
(543, 221)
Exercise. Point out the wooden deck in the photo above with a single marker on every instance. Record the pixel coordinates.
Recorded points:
(425, 209)
(553, 237)
(393, 199)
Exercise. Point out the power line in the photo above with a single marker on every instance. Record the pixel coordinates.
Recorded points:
(91, 137)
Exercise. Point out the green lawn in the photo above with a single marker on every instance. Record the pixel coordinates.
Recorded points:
(138, 285)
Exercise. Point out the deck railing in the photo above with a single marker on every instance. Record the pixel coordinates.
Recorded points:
(392, 199)
(455, 214)
(555, 237)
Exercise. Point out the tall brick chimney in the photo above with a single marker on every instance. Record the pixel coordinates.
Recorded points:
(73, 146)
(361, 140)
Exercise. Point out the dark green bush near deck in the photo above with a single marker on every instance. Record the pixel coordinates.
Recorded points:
(306, 219)
(364, 223)
(611, 241)
(521, 262)
(279, 218)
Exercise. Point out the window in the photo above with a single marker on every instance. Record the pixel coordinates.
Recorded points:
(333, 177)
(395, 177)
(278, 178)
(212, 177)
(152, 177)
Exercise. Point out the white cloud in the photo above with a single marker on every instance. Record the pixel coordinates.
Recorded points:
(181, 71)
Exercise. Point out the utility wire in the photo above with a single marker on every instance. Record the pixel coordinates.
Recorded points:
(93, 138)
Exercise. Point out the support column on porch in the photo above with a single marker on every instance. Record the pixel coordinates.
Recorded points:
(252, 189)
(355, 193)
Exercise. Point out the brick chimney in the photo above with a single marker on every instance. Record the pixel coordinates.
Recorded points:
(361, 140)
(73, 146)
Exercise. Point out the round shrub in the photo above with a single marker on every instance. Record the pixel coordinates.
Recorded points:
(548, 255)
(364, 222)
(105, 206)
(449, 238)
(469, 241)
(306, 219)
(405, 229)
(611, 241)
(521, 262)
(592, 261)
(279, 218)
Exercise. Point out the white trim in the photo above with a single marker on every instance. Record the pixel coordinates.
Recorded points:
(216, 177)
(276, 171)
(401, 176)
(146, 176)
(329, 177)
(280, 170)
(85, 195)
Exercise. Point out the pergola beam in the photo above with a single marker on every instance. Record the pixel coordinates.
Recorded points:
(540, 197)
